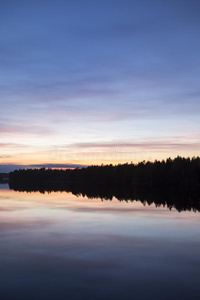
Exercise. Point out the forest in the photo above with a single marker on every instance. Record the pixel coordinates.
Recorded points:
(171, 183)
(179, 171)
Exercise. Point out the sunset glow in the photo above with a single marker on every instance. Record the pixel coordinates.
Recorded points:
(98, 82)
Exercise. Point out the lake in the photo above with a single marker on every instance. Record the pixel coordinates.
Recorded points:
(60, 246)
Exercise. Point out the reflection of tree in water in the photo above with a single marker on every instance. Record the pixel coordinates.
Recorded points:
(172, 183)
(182, 199)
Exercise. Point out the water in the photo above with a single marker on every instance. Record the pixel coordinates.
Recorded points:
(59, 246)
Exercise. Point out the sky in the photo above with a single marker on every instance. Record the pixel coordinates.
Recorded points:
(98, 82)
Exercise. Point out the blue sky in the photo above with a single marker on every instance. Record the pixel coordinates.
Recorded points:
(91, 82)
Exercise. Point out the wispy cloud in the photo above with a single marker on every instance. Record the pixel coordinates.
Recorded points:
(24, 129)
(170, 143)
(132, 74)
(12, 145)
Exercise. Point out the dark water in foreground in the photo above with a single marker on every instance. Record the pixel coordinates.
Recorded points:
(59, 246)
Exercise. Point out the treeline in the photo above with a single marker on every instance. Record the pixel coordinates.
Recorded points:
(171, 172)
(171, 183)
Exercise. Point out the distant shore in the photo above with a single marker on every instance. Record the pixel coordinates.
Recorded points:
(179, 171)
(4, 177)
(172, 183)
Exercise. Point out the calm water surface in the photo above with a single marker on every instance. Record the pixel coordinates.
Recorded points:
(59, 246)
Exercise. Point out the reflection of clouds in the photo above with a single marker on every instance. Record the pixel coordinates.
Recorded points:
(2, 197)
(12, 208)
(24, 225)
(66, 201)
(23, 207)
(62, 244)
(108, 263)
(112, 209)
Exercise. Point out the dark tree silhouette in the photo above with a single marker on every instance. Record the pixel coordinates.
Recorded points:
(174, 183)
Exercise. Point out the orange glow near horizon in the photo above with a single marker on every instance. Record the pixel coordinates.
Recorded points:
(83, 163)
(97, 153)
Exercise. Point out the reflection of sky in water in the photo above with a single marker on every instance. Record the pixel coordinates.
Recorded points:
(58, 246)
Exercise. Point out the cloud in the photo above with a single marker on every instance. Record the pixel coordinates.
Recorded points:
(24, 129)
(12, 145)
(170, 143)
(134, 71)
